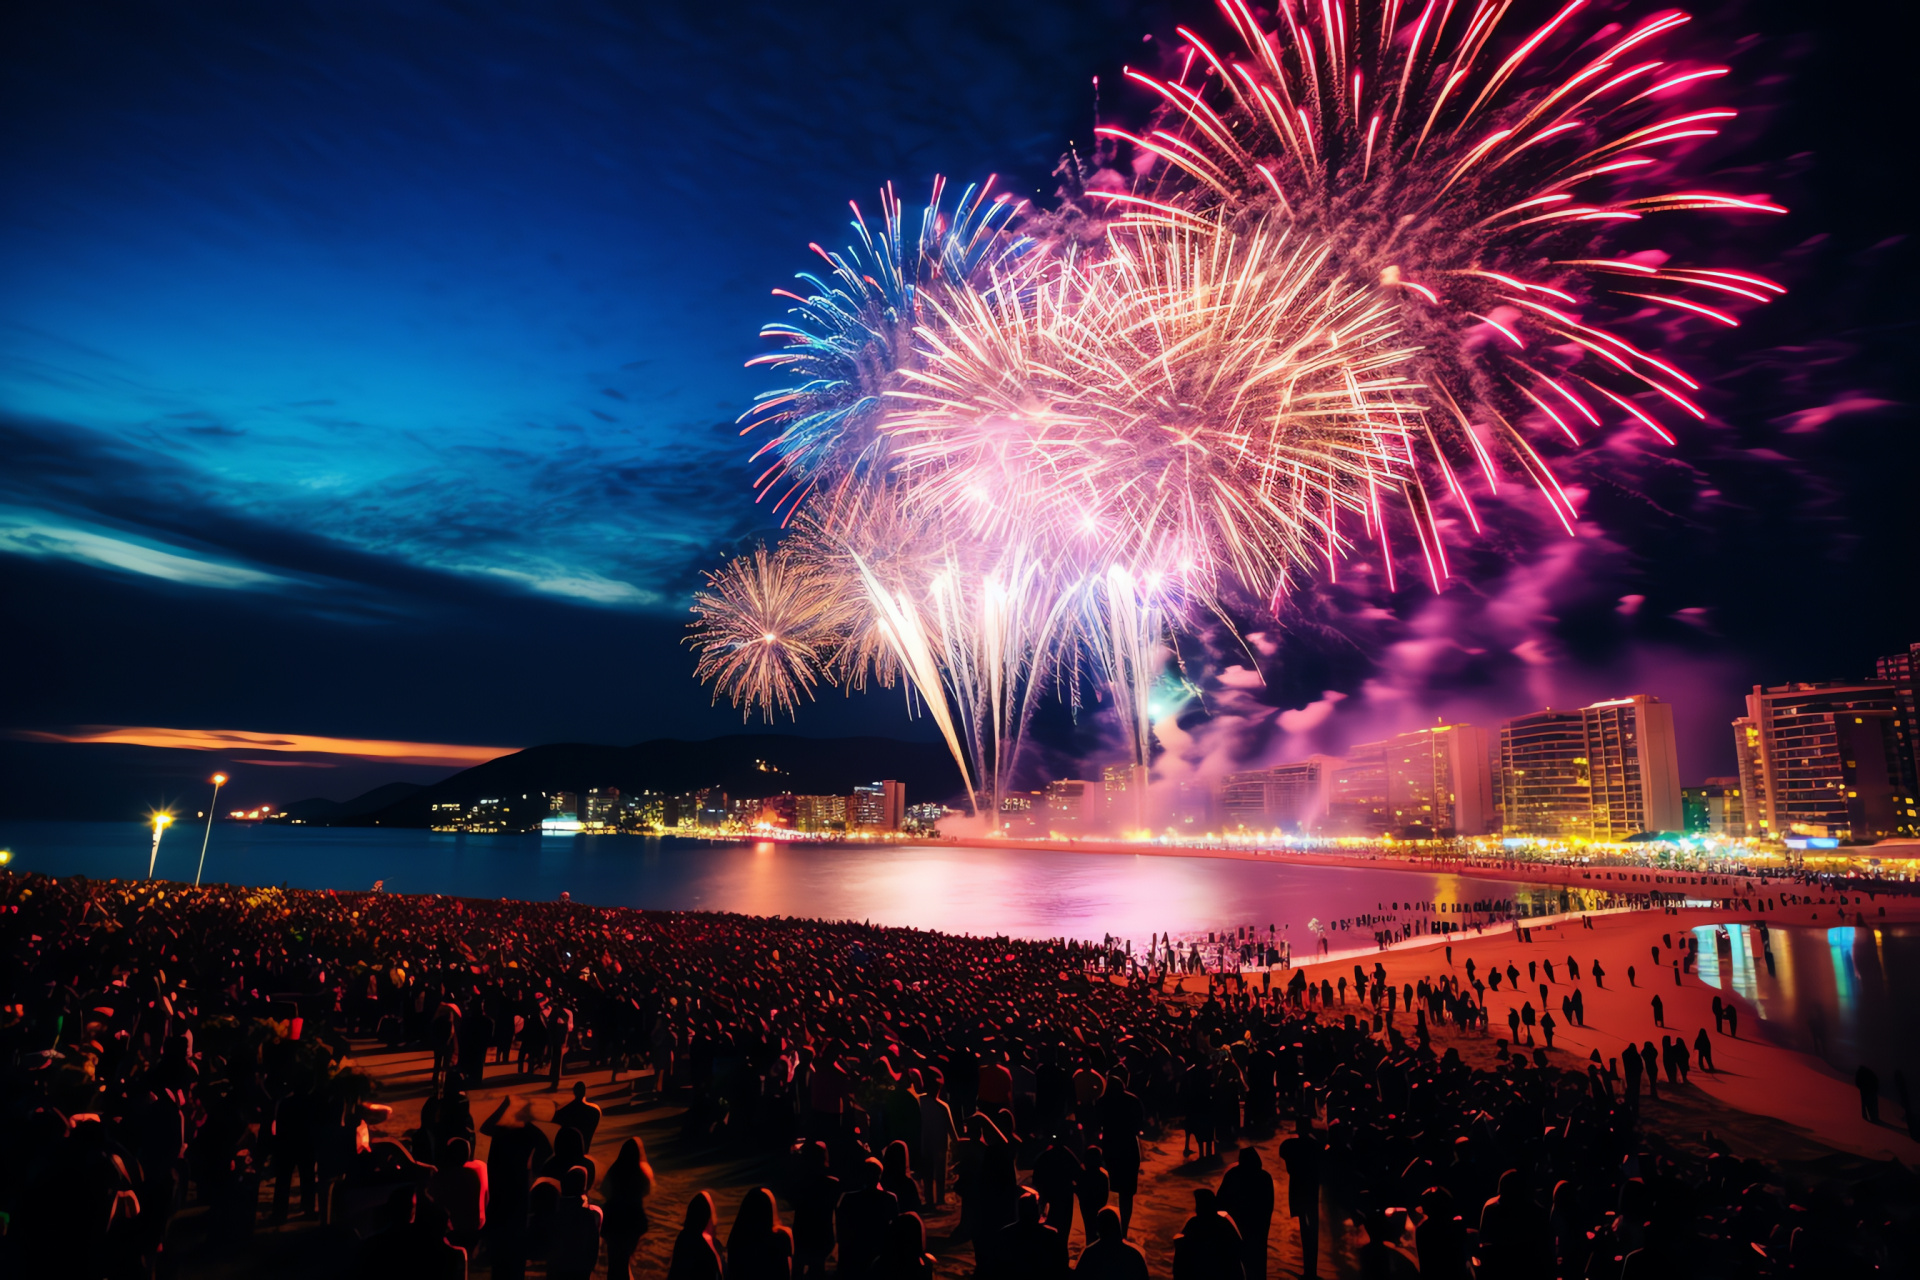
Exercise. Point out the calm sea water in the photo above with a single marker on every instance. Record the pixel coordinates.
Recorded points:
(1017, 892)
(1847, 995)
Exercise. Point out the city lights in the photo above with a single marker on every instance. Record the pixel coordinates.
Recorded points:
(161, 821)
(219, 780)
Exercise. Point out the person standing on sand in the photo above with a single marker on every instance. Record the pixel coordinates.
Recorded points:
(1869, 1085)
(623, 1204)
(937, 1134)
(1246, 1193)
(1302, 1154)
(1630, 978)
(1703, 1048)
(1733, 1020)
(1659, 1011)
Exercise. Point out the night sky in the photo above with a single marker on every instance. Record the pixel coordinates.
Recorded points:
(370, 370)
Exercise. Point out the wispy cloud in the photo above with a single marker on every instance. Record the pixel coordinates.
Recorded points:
(441, 753)
(44, 536)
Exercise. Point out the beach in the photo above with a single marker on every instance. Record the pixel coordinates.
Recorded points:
(1765, 1101)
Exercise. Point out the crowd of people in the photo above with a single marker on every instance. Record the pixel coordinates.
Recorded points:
(169, 1049)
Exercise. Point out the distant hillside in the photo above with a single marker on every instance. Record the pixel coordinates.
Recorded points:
(321, 811)
(747, 765)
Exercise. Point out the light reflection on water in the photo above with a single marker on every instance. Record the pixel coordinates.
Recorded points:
(1022, 893)
(1849, 995)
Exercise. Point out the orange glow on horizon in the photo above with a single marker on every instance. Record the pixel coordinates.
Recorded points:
(442, 753)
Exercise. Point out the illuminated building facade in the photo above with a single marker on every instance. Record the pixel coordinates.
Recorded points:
(1633, 767)
(877, 806)
(1543, 776)
(1431, 783)
(1289, 797)
(1829, 756)
(1124, 795)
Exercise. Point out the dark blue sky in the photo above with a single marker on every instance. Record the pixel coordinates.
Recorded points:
(370, 369)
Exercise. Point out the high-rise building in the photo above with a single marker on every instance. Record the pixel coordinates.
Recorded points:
(1124, 793)
(1544, 782)
(877, 806)
(820, 814)
(1357, 793)
(1715, 808)
(562, 804)
(1829, 759)
(1603, 772)
(1430, 783)
(1289, 797)
(1753, 777)
(1633, 767)
(1902, 670)
(603, 807)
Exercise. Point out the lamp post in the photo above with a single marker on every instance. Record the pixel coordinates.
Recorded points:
(219, 780)
(161, 821)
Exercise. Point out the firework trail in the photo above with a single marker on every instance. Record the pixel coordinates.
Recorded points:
(1472, 171)
(853, 331)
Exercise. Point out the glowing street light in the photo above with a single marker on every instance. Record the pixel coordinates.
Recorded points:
(219, 780)
(161, 821)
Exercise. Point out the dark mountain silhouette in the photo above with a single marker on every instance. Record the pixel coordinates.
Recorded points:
(746, 765)
(320, 811)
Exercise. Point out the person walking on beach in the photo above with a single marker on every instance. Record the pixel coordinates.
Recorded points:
(1869, 1085)
(1703, 1049)
(1733, 1020)
(1546, 1027)
(1659, 1011)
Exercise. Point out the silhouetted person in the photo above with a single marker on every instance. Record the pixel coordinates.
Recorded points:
(460, 1187)
(814, 1204)
(1112, 1256)
(758, 1247)
(516, 1150)
(1027, 1248)
(1056, 1175)
(579, 1114)
(1514, 1242)
(695, 1255)
(1869, 1085)
(905, 1256)
(1303, 1153)
(1094, 1185)
(1122, 1118)
(1208, 1247)
(1440, 1240)
(573, 1245)
(1246, 1194)
(865, 1214)
(623, 1204)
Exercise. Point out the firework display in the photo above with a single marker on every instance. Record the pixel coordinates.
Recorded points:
(1368, 260)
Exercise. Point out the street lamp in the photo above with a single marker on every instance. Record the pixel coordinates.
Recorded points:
(161, 821)
(219, 780)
